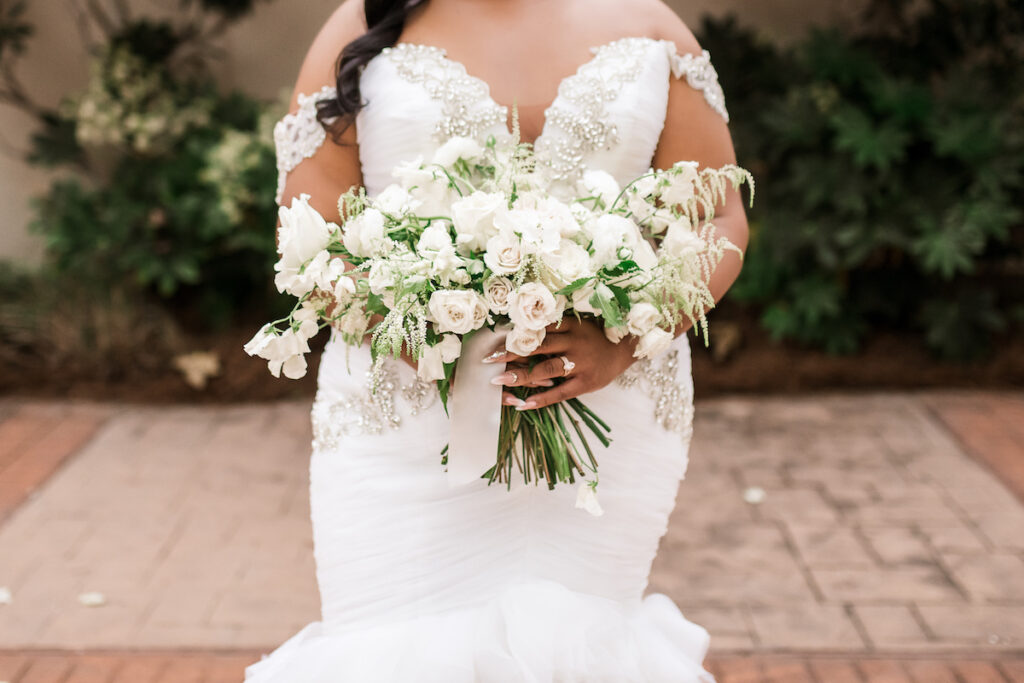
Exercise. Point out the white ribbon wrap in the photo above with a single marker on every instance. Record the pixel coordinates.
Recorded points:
(474, 409)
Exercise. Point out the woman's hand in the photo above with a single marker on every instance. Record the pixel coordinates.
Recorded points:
(593, 362)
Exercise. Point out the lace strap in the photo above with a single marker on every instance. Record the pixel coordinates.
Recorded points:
(700, 75)
(299, 135)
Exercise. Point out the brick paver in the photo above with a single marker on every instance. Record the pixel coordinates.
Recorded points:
(883, 548)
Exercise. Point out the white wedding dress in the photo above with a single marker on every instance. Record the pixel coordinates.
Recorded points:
(422, 582)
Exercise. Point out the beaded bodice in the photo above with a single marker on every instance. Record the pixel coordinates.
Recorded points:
(608, 115)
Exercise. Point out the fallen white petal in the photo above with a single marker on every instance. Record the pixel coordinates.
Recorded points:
(198, 367)
(92, 599)
(754, 495)
(5, 598)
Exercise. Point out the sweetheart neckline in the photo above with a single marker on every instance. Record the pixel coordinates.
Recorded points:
(442, 53)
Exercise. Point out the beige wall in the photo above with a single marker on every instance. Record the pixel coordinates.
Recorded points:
(263, 54)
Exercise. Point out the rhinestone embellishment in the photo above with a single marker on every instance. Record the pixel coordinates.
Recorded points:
(368, 412)
(700, 75)
(467, 107)
(298, 136)
(658, 378)
(579, 112)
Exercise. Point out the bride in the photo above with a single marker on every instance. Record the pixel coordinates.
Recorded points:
(421, 581)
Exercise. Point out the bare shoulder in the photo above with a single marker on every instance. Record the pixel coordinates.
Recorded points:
(662, 23)
(344, 25)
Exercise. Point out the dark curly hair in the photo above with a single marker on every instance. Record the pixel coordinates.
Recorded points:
(385, 21)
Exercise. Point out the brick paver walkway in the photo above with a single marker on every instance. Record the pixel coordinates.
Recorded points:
(885, 547)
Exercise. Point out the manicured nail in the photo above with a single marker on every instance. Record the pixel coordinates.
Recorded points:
(544, 383)
(494, 356)
(513, 401)
(529, 405)
(503, 378)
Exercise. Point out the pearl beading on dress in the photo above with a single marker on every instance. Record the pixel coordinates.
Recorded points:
(467, 106)
(299, 135)
(700, 75)
(369, 412)
(658, 378)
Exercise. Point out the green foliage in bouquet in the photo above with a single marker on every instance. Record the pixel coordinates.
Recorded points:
(893, 160)
(167, 189)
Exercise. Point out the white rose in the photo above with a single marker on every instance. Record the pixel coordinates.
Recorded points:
(601, 184)
(615, 334)
(457, 148)
(642, 318)
(457, 310)
(364, 234)
(522, 341)
(503, 255)
(303, 234)
(556, 215)
(586, 498)
(534, 307)
(430, 367)
(572, 262)
(681, 241)
(395, 200)
(497, 292)
(537, 235)
(473, 217)
(654, 343)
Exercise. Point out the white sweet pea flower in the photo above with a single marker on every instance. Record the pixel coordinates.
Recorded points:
(536, 234)
(394, 200)
(601, 184)
(433, 240)
(581, 299)
(556, 215)
(473, 218)
(504, 255)
(681, 241)
(642, 318)
(610, 233)
(497, 293)
(285, 351)
(654, 343)
(534, 307)
(451, 348)
(428, 187)
(523, 341)
(412, 174)
(308, 319)
(457, 148)
(303, 234)
(364, 235)
(353, 324)
(344, 290)
(321, 272)
(430, 367)
(457, 310)
(682, 183)
(381, 277)
(586, 498)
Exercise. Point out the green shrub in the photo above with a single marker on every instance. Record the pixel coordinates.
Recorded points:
(890, 166)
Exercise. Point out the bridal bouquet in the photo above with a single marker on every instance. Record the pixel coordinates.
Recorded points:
(474, 240)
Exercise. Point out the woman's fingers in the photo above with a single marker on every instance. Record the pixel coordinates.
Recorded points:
(524, 375)
(563, 392)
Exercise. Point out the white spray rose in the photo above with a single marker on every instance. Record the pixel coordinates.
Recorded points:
(654, 343)
(522, 341)
(534, 307)
(303, 234)
(364, 234)
(458, 148)
(615, 334)
(457, 310)
(498, 292)
(503, 255)
(642, 318)
(473, 217)
(601, 184)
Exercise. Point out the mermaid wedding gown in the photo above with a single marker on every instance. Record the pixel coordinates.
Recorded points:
(422, 582)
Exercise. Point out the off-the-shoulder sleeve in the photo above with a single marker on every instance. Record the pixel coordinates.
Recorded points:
(298, 136)
(700, 74)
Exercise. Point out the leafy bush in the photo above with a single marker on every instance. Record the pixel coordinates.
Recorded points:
(890, 163)
(170, 189)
